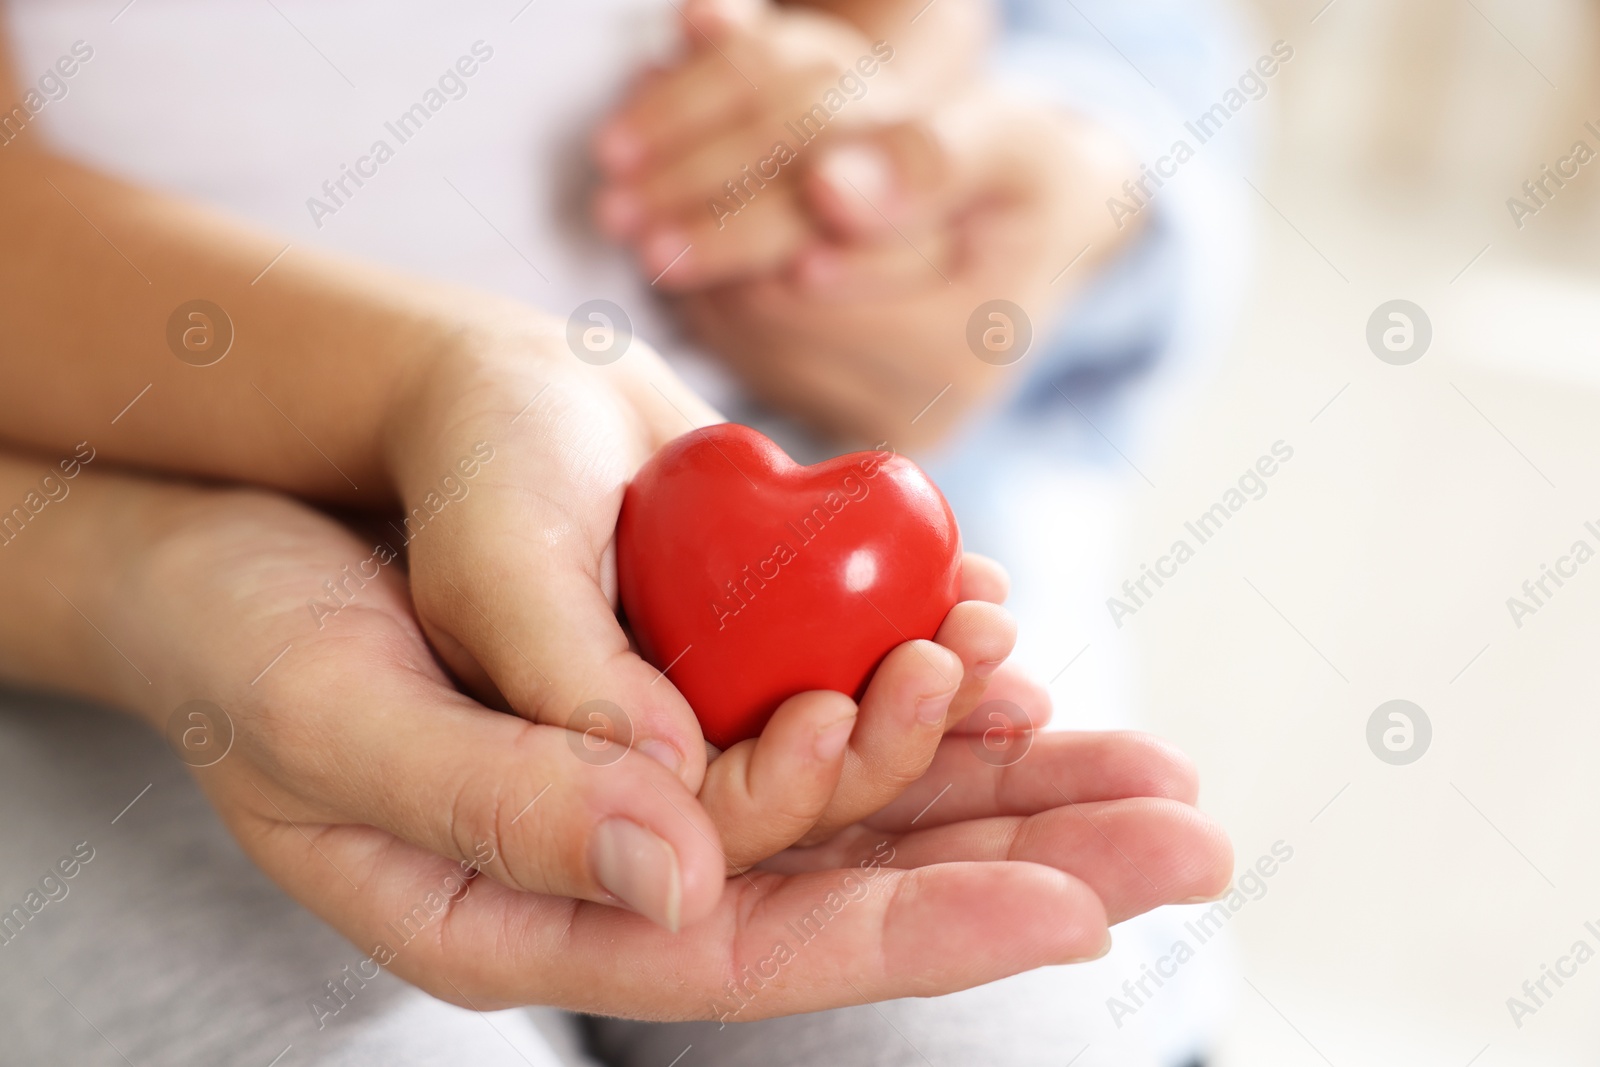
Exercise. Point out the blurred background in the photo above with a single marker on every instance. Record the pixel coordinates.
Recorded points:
(1421, 896)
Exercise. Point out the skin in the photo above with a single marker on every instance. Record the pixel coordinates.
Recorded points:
(749, 68)
(375, 757)
(359, 387)
(842, 291)
(360, 777)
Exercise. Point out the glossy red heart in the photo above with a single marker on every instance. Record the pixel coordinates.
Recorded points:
(749, 578)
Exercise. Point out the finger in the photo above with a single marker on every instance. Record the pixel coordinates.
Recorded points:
(561, 660)
(983, 579)
(865, 182)
(431, 920)
(765, 793)
(704, 94)
(1056, 768)
(890, 265)
(360, 724)
(897, 732)
(836, 937)
(700, 251)
(913, 174)
(539, 808)
(982, 635)
(519, 576)
(535, 608)
(1135, 854)
(948, 174)
(1012, 703)
(714, 178)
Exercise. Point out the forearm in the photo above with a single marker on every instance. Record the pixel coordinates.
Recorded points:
(91, 272)
(70, 535)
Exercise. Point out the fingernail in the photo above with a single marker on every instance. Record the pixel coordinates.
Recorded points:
(1206, 900)
(832, 739)
(663, 753)
(639, 869)
(619, 212)
(859, 169)
(984, 671)
(933, 709)
(618, 150)
(1102, 954)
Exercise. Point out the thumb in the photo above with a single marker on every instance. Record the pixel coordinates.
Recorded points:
(515, 586)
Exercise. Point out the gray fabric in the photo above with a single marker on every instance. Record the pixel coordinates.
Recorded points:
(1029, 1020)
(169, 948)
(166, 947)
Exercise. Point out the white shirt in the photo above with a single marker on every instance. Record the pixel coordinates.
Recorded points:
(252, 106)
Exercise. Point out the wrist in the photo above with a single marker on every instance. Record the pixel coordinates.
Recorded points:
(468, 389)
(68, 574)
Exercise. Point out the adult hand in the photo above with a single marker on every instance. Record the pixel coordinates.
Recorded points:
(702, 160)
(926, 222)
(365, 783)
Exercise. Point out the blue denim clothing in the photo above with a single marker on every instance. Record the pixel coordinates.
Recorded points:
(1142, 69)
(1041, 482)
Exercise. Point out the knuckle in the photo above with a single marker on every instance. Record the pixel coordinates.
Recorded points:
(794, 813)
(478, 827)
(890, 779)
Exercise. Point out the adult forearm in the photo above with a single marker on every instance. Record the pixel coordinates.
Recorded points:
(69, 536)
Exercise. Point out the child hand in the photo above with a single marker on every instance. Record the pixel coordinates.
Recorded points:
(822, 764)
(514, 585)
(514, 582)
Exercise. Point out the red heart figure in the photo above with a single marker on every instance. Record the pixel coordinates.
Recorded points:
(749, 578)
